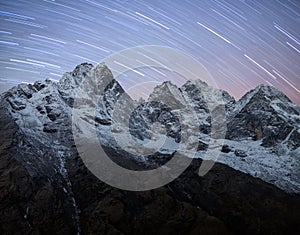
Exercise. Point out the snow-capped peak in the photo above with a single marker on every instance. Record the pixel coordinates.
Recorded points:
(198, 83)
(262, 93)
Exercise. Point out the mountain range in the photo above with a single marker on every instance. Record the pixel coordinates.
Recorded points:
(45, 187)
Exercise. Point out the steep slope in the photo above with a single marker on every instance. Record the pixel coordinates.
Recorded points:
(35, 194)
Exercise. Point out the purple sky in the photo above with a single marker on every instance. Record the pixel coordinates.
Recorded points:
(241, 43)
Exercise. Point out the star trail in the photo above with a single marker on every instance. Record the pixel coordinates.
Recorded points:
(242, 43)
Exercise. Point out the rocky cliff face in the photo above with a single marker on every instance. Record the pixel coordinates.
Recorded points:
(46, 189)
(268, 115)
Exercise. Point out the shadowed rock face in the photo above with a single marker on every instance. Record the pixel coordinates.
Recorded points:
(235, 202)
(35, 198)
(224, 201)
(267, 114)
(46, 189)
(151, 112)
(32, 199)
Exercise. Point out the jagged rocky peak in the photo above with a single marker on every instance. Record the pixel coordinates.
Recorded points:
(262, 95)
(191, 84)
(44, 105)
(101, 82)
(99, 76)
(21, 95)
(70, 80)
(98, 88)
(94, 81)
(266, 114)
(199, 92)
(266, 99)
(82, 70)
(168, 93)
(160, 89)
(102, 71)
(271, 93)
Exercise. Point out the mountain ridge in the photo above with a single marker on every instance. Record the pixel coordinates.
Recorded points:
(273, 122)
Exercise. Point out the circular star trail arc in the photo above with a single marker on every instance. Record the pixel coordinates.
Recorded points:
(241, 43)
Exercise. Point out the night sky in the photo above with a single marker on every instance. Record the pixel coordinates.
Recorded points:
(242, 43)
